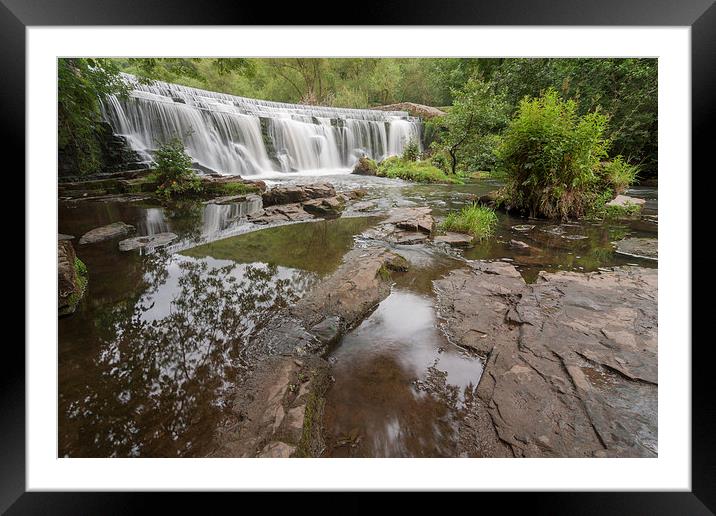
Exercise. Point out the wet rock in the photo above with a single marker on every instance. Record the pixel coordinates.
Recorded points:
(518, 244)
(297, 193)
(523, 228)
(364, 206)
(327, 207)
(358, 193)
(279, 409)
(365, 167)
(639, 247)
(625, 200)
(488, 199)
(61, 236)
(108, 232)
(412, 219)
(147, 242)
(454, 239)
(71, 278)
(273, 214)
(571, 360)
(408, 237)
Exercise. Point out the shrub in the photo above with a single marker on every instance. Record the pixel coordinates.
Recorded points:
(173, 170)
(478, 221)
(419, 171)
(551, 157)
(618, 174)
(411, 150)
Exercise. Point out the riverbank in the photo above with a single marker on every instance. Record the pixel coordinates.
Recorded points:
(274, 310)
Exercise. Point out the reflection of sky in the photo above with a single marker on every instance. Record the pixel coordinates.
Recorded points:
(404, 326)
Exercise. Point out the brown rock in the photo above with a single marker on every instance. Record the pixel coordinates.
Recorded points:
(454, 239)
(571, 367)
(297, 193)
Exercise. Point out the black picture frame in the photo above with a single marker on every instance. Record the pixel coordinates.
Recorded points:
(700, 15)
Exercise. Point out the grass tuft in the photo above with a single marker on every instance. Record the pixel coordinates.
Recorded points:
(478, 221)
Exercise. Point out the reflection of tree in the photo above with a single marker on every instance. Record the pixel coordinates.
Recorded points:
(164, 383)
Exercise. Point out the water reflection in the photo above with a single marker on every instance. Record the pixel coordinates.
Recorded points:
(156, 381)
(398, 384)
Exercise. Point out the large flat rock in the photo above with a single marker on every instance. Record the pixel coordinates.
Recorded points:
(570, 361)
(639, 247)
(108, 232)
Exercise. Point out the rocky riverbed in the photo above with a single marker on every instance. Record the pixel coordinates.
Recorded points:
(331, 316)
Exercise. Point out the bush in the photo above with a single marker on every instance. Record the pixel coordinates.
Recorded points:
(618, 174)
(411, 151)
(173, 170)
(551, 158)
(478, 221)
(419, 171)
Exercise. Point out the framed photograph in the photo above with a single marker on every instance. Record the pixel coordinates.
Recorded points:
(448, 252)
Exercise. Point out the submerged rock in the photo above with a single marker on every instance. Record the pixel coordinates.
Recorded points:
(364, 206)
(639, 247)
(297, 193)
(571, 360)
(147, 242)
(454, 239)
(108, 232)
(518, 244)
(71, 278)
(523, 228)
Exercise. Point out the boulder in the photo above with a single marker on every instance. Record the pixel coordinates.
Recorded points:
(285, 213)
(570, 360)
(365, 167)
(297, 193)
(326, 207)
(147, 242)
(71, 278)
(639, 247)
(108, 232)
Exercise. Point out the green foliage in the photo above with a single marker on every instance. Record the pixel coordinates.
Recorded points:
(229, 188)
(396, 167)
(478, 221)
(551, 157)
(477, 115)
(81, 83)
(618, 175)
(173, 170)
(411, 151)
(366, 166)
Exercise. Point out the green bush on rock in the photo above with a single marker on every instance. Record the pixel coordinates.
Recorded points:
(478, 221)
(552, 160)
(173, 170)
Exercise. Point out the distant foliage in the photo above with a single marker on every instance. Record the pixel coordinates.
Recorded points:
(473, 125)
(551, 157)
(173, 170)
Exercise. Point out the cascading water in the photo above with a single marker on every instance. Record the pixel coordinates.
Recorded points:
(236, 135)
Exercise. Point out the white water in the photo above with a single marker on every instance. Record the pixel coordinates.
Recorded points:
(237, 135)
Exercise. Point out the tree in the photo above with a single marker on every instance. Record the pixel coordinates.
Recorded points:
(476, 115)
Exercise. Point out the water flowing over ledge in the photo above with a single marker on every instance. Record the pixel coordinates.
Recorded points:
(236, 135)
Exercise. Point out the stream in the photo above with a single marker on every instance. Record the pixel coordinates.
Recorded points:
(148, 361)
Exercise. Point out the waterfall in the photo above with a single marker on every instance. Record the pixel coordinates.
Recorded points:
(236, 135)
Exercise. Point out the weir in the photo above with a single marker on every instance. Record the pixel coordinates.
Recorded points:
(236, 135)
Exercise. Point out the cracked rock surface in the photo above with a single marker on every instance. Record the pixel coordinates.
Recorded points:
(570, 360)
